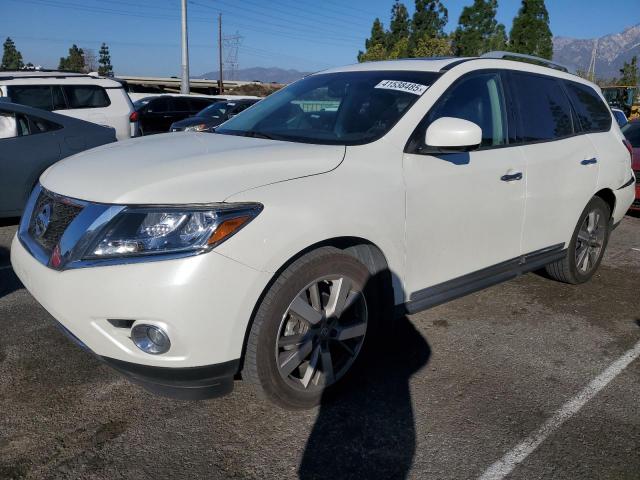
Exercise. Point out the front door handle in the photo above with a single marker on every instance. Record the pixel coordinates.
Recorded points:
(511, 177)
(589, 161)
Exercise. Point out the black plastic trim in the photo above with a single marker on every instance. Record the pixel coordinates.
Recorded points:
(472, 282)
(630, 182)
(188, 383)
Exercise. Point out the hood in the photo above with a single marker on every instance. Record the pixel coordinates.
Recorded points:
(176, 168)
(210, 121)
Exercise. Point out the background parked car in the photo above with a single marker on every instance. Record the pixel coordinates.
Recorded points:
(156, 114)
(212, 116)
(620, 117)
(632, 132)
(87, 97)
(30, 141)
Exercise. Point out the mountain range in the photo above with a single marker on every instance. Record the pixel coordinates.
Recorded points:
(612, 51)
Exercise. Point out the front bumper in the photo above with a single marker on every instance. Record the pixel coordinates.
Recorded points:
(203, 302)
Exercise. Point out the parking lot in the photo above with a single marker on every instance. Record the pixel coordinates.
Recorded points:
(458, 387)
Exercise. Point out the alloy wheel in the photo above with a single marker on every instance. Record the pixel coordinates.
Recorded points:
(590, 240)
(321, 333)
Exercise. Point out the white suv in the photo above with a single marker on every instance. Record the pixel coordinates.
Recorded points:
(90, 98)
(278, 248)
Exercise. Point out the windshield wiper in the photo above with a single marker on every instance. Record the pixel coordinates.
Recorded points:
(255, 134)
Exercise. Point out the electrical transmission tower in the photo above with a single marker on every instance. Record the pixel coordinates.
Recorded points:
(231, 45)
(591, 71)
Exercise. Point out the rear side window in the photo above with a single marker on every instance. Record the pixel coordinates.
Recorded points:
(86, 96)
(158, 105)
(545, 111)
(593, 113)
(180, 104)
(36, 96)
(20, 125)
(198, 104)
(40, 125)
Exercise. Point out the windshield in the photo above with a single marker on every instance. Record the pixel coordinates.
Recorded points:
(344, 108)
(632, 132)
(216, 110)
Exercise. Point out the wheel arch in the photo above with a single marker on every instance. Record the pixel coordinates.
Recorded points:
(609, 198)
(367, 252)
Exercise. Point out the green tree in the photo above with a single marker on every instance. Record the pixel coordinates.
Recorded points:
(74, 62)
(478, 31)
(105, 68)
(375, 45)
(429, 20)
(432, 47)
(530, 32)
(629, 72)
(11, 57)
(399, 26)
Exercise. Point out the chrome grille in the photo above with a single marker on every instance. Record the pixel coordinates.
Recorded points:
(62, 213)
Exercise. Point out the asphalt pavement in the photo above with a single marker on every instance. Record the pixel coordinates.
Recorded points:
(528, 379)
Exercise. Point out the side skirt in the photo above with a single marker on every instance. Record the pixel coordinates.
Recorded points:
(472, 282)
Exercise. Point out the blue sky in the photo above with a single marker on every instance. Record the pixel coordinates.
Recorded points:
(308, 35)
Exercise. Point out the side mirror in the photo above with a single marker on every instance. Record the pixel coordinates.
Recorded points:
(449, 133)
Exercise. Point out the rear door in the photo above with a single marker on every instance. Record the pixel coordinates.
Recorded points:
(561, 163)
(28, 145)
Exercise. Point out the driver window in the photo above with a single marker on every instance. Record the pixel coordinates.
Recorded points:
(478, 99)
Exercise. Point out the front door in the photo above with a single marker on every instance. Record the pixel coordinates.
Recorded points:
(464, 210)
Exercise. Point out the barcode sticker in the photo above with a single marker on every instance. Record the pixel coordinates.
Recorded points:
(408, 87)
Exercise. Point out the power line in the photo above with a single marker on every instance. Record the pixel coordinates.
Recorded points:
(303, 27)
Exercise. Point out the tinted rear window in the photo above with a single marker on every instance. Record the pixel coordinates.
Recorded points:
(180, 104)
(36, 96)
(86, 96)
(594, 115)
(198, 104)
(544, 108)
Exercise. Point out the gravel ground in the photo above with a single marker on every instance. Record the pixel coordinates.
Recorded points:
(459, 386)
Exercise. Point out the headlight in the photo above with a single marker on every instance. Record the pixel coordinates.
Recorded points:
(162, 230)
(203, 127)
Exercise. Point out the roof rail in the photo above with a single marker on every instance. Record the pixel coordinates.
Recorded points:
(526, 58)
(56, 74)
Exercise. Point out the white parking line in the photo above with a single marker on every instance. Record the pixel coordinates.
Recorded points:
(506, 464)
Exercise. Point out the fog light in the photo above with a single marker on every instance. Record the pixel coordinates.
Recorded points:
(150, 339)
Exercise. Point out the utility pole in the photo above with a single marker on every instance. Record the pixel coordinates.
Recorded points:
(184, 82)
(221, 85)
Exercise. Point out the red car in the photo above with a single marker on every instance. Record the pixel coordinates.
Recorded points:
(632, 132)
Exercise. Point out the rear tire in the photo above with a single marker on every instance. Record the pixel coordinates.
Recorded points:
(587, 245)
(311, 328)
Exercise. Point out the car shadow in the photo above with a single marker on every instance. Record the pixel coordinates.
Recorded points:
(369, 431)
(10, 221)
(8, 280)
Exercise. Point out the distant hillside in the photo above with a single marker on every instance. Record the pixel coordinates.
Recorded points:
(265, 75)
(613, 51)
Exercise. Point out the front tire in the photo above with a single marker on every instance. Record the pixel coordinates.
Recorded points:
(310, 328)
(587, 245)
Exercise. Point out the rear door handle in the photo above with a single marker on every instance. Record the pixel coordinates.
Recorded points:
(511, 177)
(589, 161)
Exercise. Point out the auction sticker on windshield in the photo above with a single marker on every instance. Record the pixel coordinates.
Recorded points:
(408, 87)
